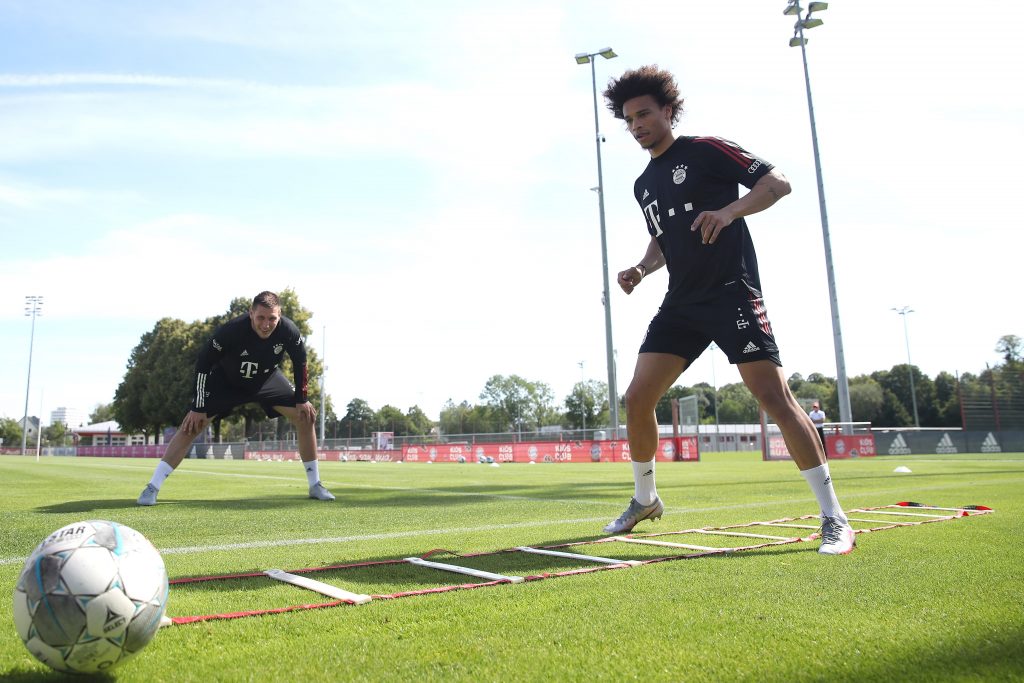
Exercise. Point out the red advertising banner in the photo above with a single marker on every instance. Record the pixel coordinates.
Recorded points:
(855, 446)
(669, 449)
(123, 451)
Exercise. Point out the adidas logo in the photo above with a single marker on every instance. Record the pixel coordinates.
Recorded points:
(646, 194)
(751, 347)
(945, 445)
(244, 353)
(899, 446)
(990, 445)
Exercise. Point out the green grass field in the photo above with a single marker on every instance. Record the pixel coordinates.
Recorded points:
(937, 602)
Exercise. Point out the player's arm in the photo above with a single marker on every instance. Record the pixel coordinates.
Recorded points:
(770, 188)
(296, 350)
(652, 260)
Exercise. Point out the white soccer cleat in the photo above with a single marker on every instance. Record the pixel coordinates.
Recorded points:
(148, 495)
(635, 513)
(318, 492)
(837, 538)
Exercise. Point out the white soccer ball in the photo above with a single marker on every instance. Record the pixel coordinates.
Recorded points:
(90, 596)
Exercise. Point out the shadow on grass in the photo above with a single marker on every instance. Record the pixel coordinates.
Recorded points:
(21, 675)
(989, 656)
(266, 503)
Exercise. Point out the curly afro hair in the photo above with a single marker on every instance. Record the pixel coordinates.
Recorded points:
(647, 80)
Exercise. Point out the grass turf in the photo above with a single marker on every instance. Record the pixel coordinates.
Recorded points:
(938, 602)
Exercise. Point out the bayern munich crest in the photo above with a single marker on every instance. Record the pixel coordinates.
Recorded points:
(679, 174)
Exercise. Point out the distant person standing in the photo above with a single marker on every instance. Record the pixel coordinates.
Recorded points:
(241, 363)
(818, 418)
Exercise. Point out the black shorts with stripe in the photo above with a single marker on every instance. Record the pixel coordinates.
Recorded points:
(222, 397)
(736, 320)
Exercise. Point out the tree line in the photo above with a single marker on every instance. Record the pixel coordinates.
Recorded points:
(158, 383)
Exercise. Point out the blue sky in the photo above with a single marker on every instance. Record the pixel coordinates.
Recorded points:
(420, 174)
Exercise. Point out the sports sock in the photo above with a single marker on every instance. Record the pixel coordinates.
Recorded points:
(163, 470)
(821, 483)
(312, 471)
(643, 481)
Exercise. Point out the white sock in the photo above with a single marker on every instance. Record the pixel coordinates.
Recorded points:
(643, 482)
(163, 470)
(821, 483)
(312, 471)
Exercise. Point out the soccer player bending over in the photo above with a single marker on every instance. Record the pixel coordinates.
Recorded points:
(241, 364)
(689, 194)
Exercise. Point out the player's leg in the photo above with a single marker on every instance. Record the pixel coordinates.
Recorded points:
(305, 432)
(192, 426)
(767, 383)
(654, 374)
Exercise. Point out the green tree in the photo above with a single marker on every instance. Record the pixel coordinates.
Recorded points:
(464, 418)
(418, 422)
(1011, 346)
(587, 405)
(391, 419)
(358, 421)
(736, 405)
(518, 403)
(103, 412)
(10, 433)
(866, 399)
(55, 434)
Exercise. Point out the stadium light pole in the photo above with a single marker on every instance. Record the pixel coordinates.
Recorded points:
(613, 393)
(714, 395)
(323, 397)
(904, 311)
(33, 308)
(808, 22)
(583, 398)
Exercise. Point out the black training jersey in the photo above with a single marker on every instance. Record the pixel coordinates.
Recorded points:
(699, 174)
(246, 361)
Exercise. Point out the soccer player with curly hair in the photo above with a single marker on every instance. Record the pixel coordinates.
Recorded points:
(689, 195)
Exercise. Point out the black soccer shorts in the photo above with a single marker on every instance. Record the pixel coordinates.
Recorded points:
(222, 397)
(736, 320)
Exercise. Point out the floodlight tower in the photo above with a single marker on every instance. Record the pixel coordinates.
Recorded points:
(613, 393)
(809, 22)
(33, 308)
(904, 311)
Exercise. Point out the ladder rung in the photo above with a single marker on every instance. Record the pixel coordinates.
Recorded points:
(647, 541)
(744, 535)
(577, 556)
(479, 573)
(318, 586)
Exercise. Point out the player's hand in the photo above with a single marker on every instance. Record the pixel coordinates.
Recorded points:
(711, 223)
(194, 422)
(306, 412)
(628, 279)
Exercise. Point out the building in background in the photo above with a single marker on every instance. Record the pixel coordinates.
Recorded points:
(69, 417)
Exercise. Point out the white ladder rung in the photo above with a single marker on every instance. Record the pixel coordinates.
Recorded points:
(902, 514)
(647, 541)
(318, 586)
(791, 526)
(479, 573)
(577, 556)
(745, 535)
(881, 521)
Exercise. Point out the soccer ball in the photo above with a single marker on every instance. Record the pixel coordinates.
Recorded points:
(91, 595)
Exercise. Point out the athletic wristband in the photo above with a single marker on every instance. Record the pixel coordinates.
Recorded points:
(643, 270)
